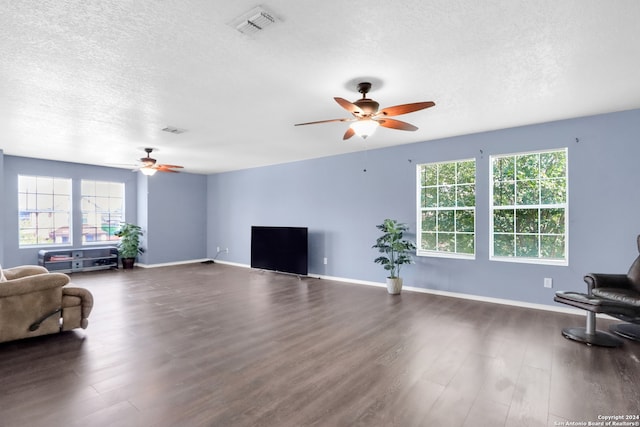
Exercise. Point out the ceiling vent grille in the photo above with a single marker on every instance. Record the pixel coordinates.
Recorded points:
(255, 20)
(175, 130)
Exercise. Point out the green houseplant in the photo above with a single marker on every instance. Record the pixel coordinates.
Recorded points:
(129, 246)
(397, 251)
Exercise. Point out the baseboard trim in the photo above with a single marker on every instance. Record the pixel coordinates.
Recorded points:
(235, 264)
(169, 264)
(501, 301)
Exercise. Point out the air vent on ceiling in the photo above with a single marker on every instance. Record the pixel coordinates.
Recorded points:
(172, 129)
(255, 20)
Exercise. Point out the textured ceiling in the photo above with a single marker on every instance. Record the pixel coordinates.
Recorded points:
(96, 81)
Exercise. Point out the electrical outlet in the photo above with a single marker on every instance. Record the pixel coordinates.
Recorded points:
(217, 249)
(325, 260)
(548, 282)
(226, 250)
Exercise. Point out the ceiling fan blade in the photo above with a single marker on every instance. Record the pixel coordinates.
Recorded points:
(348, 134)
(349, 106)
(323, 121)
(397, 110)
(164, 169)
(170, 166)
(396, 124)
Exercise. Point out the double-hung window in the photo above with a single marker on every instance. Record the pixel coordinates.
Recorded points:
(44, 210)
(102, 210)
(446, 209)
(529, 207)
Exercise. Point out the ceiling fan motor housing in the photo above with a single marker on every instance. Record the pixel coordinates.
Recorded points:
(148, 161)
(368, 106)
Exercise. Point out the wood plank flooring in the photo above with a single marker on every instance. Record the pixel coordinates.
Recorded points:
(218, 345)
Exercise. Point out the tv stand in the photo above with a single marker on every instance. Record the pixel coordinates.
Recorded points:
(76, 260)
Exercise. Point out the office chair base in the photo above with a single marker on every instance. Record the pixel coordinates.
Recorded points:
(598, 338)
(626, 330)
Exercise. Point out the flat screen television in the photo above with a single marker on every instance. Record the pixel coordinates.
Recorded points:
(282, 249)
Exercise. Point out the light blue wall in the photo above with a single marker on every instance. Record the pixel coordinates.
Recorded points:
(14, 166)
(143, 214)
(341, 204)
(2, 209)
(176, 218)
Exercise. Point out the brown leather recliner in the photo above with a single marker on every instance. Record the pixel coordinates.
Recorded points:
(35, 302)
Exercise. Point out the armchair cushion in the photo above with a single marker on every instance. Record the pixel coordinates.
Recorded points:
(627, 296)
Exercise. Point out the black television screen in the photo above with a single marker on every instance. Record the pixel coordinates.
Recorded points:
(281, 249)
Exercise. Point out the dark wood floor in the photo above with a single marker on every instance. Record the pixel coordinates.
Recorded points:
(217, 345)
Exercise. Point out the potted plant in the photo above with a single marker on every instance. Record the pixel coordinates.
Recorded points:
(129, 245)
(397, 252)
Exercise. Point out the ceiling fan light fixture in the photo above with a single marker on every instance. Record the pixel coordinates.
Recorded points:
(148, 171)
(365, 127)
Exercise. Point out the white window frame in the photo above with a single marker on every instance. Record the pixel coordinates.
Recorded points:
(29, 203)
(565, 205)
(420, 209)
(84, 211)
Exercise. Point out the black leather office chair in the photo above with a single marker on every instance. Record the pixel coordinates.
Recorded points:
(617, 295)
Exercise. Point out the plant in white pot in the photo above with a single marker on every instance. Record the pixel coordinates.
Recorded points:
(397, 251)
(129, 246)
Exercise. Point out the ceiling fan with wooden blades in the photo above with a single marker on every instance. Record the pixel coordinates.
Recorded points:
(149, 167)
(367, 117)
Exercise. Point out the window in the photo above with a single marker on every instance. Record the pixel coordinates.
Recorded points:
(44, 209)
(446, 209)
(529, 207)
(102, 210)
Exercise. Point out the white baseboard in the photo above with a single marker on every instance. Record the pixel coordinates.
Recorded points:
(235, 264)
(191, 261)
(168, 264)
